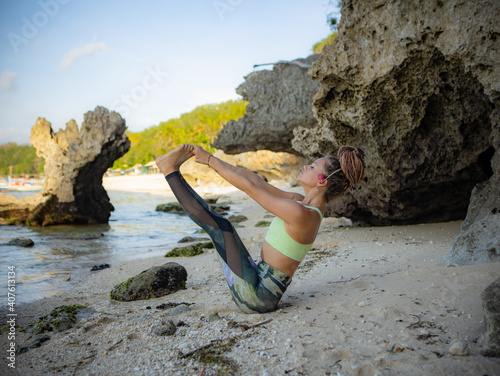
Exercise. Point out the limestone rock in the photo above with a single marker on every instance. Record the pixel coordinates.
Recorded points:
(491, 307)
(279, 101)
(415, 84)
(152, 283)
(479, 238)
(75, 161)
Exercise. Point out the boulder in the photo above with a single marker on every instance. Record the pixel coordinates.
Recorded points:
(75, 161)
(479, 238)
(415, 84)
(490, 340)
(279, 101)
(155, 282)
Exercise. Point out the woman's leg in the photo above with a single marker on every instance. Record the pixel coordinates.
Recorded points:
(228, 244)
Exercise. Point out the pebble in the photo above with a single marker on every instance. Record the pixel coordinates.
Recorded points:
(363, 304)
(459, 348)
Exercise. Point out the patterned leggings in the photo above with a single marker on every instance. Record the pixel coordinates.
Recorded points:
(254, 288)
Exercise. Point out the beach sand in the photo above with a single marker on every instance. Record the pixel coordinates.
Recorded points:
(365, 301)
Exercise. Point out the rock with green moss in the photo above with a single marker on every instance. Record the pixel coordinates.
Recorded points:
(59, 319)
(263, 224)
(237, 218)
(171, 207)
(189, 250)
(153, 283)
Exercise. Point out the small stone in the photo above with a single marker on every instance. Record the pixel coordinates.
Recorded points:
(459, 348)
(180, 309)
(168, 329)
(213, 317)
(100, 267)
(21, 242)
(363, 304)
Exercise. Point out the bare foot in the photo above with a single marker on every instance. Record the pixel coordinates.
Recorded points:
(173, 160)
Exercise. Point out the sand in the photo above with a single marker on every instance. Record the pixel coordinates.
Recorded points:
(365, 301)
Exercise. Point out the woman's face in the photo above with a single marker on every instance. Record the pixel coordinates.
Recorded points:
(309, 174)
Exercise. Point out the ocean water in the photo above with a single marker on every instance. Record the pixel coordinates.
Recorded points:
(63, 255)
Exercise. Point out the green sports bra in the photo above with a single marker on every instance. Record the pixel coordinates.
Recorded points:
(278, 238)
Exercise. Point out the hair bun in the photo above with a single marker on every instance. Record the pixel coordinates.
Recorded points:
(352, 163)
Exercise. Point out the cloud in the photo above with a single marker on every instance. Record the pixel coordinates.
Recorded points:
(7, 80)
(77, 53)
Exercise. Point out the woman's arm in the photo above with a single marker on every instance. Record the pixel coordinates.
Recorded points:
(204, 157)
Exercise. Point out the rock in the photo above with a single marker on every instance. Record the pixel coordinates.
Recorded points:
(168, 329)
(37, 341)
(180, 309)
(60, 319)
(479, 238)
(415, 84)
(100, 267)
(263, 224)
(459, 348)
(152, 283)
(21, 242)
(171, 207)
(187, 239)
(75, 161)
(490, 340)
(237, 218)
(176, 208)
(279, 101)
(214, 316)
(190, 250)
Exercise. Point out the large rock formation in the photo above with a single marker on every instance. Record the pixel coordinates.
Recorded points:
(415, 83)
(279, 101)
(75, 161)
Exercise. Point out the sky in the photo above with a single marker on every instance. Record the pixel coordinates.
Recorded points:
(150, 60)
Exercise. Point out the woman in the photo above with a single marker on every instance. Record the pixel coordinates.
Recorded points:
(258, 288)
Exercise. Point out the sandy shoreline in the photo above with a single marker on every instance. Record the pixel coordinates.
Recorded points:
(366, 301)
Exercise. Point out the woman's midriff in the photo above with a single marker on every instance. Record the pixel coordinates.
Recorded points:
(278, 260)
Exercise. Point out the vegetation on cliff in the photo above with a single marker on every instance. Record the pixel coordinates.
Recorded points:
(318, 47)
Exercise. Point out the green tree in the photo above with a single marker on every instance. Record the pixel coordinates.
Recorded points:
(198, 127)
(22, 159)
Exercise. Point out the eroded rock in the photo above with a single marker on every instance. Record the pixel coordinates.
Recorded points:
(279, 101)
(75, 161)
(416, 86)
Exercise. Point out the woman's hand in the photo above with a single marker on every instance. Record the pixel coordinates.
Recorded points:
(201, 155)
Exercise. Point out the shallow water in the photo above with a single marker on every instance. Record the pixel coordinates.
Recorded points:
(63, 253)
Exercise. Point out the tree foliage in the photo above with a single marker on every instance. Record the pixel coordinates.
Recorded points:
(22, 158)
(199, 127)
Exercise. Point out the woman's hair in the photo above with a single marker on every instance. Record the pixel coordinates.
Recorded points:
(350, 160)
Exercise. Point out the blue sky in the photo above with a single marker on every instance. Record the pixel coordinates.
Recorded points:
(150, 61)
